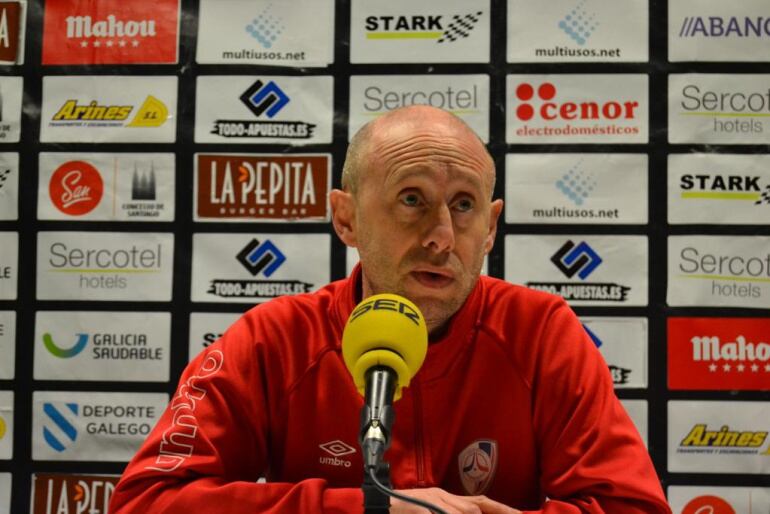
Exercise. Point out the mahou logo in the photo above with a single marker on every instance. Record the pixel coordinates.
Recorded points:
(110, 32)
(708, 505)
(718, 353)
(76, 188)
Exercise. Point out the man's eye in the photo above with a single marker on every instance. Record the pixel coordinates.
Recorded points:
(410, 199)
(464, 205)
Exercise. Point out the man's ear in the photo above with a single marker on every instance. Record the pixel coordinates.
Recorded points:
(494, 213)
(343, 216)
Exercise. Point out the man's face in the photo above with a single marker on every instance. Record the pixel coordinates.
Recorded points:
(424, 219)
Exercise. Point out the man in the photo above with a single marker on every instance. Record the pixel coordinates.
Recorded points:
(512, 409)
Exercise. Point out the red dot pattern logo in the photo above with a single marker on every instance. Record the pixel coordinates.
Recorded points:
(708, 505)
(76, 188)
(525, 92)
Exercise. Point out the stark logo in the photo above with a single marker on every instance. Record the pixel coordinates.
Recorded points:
(708, 505)
(478, 464)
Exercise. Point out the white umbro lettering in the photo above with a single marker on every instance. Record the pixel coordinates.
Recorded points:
(336, 449)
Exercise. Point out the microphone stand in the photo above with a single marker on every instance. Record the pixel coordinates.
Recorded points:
(377, 418)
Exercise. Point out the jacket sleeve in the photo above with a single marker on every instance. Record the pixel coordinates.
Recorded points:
(592, 457)
(210, 446)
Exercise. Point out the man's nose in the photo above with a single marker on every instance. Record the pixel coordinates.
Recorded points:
(440, 234)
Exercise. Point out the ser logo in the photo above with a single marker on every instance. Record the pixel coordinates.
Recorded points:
(258, 257)
(430, 27)
(580, 260)
(264, 99)
(59, 430)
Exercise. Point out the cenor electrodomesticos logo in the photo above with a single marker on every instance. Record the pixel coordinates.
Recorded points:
(76, 188)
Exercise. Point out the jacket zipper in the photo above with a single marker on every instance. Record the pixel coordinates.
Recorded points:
(418, 436)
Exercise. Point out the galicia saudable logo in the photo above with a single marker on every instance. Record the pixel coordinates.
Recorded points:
(264, 99)
(65, 353)
(265, 28)
(581, 260)
(422, 27)
(62, 432)
(579, 24)
(744, 188)
(259, 257)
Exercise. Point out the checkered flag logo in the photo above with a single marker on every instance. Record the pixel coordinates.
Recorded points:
(264, 98)
(262, 257)
(580, 259)
(460, 27)
(4, 176)
(764, 197)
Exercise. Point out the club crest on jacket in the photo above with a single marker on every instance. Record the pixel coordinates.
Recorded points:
(478, 464)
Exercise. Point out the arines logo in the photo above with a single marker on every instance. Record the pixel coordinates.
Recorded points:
(723, 441)
(435, 27)
(740, 188)
(152, 113)
(259, 258)
(264, 99)
(76, 188)
(280, 187)
(732, 111)
(334, 450)
(3, 428)
(580, 260)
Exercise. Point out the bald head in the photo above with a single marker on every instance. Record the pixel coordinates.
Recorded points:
(400, 123)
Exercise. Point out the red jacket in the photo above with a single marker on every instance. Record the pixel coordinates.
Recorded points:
(515, 397)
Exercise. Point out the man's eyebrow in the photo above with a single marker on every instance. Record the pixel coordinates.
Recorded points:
(420, 171)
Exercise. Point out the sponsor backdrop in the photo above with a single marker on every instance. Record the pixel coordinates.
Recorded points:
(166, 164)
